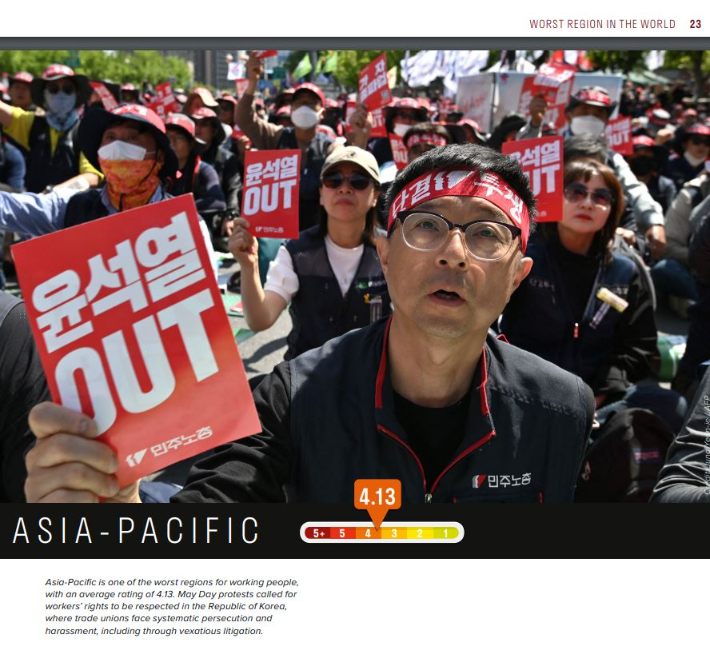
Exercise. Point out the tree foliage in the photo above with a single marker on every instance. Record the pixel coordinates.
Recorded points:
(623, 61)
(351, 62)
(135, 66)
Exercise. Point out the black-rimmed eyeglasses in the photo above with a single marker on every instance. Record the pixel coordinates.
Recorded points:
(486, 240)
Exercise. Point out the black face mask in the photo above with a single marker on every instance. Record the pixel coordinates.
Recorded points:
(642, 165)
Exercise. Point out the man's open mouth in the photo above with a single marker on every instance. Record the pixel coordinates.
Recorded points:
(447, 295)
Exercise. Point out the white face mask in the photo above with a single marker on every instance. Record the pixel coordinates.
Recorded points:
(305, 117)
(120, 150)
(400, 129)
(693, 161)
(587, 125)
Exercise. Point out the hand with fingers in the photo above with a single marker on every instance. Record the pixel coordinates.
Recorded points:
(242, 244)
(68, 464)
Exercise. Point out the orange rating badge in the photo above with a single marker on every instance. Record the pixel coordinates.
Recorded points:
(377, 497)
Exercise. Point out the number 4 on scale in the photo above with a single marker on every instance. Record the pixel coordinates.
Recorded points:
(377, 497)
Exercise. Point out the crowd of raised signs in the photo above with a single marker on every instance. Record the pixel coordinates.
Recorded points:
(661, 163)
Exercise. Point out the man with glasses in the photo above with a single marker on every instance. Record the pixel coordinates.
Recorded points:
(50, 136)
(426, 396)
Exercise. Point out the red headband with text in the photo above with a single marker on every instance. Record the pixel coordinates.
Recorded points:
(428, 139)
(472, 183)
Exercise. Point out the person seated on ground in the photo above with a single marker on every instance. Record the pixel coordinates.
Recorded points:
(584, 308)
(19, 91)
(507, 130)
(695, 143)
(685, 477)
(672, 275)
(130, 147)
(474, 133)
(588, 113)
(130, 94)
(198, 98)
(227, 107)
(697, 349)
(12, 179)
(400, 115)
(208, 128)
(306, 111)
(50, 137)
(534, 125)
(642, 224)
(431, 398)
(194, 175)
(423, 137)
(330, 275)
(647, 162)
(22, 386)
(688, 118)
(282, 116)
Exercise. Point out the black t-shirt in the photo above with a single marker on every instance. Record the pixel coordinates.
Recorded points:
(22, 385)
(434, 434)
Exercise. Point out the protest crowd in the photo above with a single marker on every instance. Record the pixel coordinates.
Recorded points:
(491, 276)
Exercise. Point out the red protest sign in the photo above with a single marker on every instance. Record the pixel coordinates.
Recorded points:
(541, 160)
(373, 86)
(167, 98)
(555, 83)
(378, 120)
(241, 86)
(270, 201)
(378, 124)
(106, 97)
(618, 135)
(131, 330)
(264, 54)
(399, 152)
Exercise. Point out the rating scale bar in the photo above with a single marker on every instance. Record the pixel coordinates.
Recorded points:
(389, 532)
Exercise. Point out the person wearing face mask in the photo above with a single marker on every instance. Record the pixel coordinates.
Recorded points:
(587, 113)
(646, 162)
(50, 138)
(695, 144)
(130, 146)
(306, 111)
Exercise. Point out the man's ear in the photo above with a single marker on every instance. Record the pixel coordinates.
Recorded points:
(383, 252)
(525, 265)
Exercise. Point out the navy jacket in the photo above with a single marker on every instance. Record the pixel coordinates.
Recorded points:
(608, 349)
(328, 419)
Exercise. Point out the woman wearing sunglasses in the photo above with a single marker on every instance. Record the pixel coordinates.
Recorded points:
(330, 275)
(583, 306)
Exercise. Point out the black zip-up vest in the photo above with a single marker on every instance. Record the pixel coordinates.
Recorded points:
(87, 206)
(319, 311)
(309, 195)
(43, 167)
